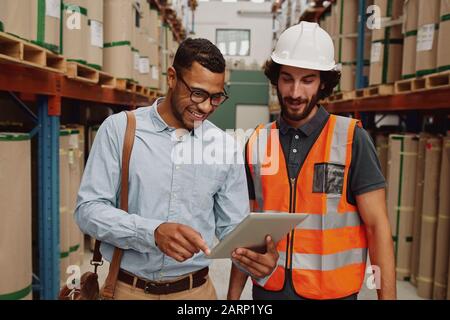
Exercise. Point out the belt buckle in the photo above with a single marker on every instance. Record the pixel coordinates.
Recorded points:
(149, 285)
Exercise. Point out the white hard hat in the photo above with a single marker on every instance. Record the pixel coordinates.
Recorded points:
(305, 45)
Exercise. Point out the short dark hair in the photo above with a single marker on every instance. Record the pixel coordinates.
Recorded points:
(330, 79)
(201, 51)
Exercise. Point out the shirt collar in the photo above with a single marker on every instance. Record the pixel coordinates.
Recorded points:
(308, 128)
(158, 121)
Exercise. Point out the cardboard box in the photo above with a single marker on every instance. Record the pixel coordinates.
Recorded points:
(74, 185)
(441, 264)
(118, 57)
(409, 56)
(348, 77)
(390, 8)
(15, 217)
(429, 12)
(443, 50)
(420, 174)
(411, 15)
(95, 45)
(350, 23)
(45, 22)
(445, 8)
(382, 145)
(16, 16)
(427, 37)
(425, 277)
(64, 200)
(76, 37)
(118, 20)
(401, 181)
(389, 72)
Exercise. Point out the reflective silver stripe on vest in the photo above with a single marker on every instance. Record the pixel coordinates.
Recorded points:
(330, 221)
(328, 262)
(258, 155)
(338, 152)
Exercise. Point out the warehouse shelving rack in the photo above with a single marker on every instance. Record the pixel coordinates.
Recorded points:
(430, 101)
(48, 89)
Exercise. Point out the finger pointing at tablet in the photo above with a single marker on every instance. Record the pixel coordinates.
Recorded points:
(179, 241)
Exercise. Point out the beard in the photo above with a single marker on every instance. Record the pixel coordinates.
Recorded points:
(180, 112)
(298, 116)
(176, 110)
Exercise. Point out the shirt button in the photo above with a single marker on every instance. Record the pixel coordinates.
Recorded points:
(294, 150)
(296, 137)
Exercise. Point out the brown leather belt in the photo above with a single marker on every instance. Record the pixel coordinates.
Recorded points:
(153, 287)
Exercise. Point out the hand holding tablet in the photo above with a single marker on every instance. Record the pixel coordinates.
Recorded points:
(252, 231)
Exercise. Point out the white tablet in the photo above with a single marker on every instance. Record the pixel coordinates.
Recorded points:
(252, 231)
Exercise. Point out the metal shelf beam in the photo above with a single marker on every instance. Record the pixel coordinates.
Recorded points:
(422, 100)
(25, 79)
(48, 215)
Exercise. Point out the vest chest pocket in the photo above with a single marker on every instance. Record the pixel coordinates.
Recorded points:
(328, 178)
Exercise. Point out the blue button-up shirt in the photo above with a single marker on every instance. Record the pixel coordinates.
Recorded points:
(210, 198)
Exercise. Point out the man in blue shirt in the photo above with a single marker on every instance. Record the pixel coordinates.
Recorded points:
(177, 204)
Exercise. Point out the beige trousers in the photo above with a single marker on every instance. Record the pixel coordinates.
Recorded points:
(128, 292)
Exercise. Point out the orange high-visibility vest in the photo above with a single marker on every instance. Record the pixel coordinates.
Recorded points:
(327, 252)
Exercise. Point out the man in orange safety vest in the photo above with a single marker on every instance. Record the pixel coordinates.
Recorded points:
(325, 166)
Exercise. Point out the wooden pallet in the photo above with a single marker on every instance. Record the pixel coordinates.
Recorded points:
(438, 80)
(403, 86)
(125, 85)
(359, 93)
(153, 94)
(344, 96)
(380, 90)
(140, 89)
(106, 80)
(418, 84)
(81, 72)
(13, 49)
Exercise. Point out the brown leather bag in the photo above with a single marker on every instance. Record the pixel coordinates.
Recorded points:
(89, 287)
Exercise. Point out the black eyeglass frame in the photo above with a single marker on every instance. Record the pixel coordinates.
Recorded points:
(206, 94)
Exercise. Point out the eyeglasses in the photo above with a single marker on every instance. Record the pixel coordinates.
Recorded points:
(200, 96)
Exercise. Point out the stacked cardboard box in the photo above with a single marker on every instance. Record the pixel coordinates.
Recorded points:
(77, 169)
(15, 17)
(155, 42)
(420, 174)
(118, 34)
(35, 20)
(401, 179)
(410, 14)
(427, 37)
(74, 185)
(382, 145)
(64, 200)
(387, 45)
(430, 207)
(347, 42)
(75, 31)
(95, 45)
(15, 217)
(441, 263)
(443, 51)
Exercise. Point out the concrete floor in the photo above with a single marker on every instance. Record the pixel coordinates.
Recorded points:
(220, 274)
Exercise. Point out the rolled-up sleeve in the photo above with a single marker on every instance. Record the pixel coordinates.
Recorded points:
(231, 203)
(96, 212)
